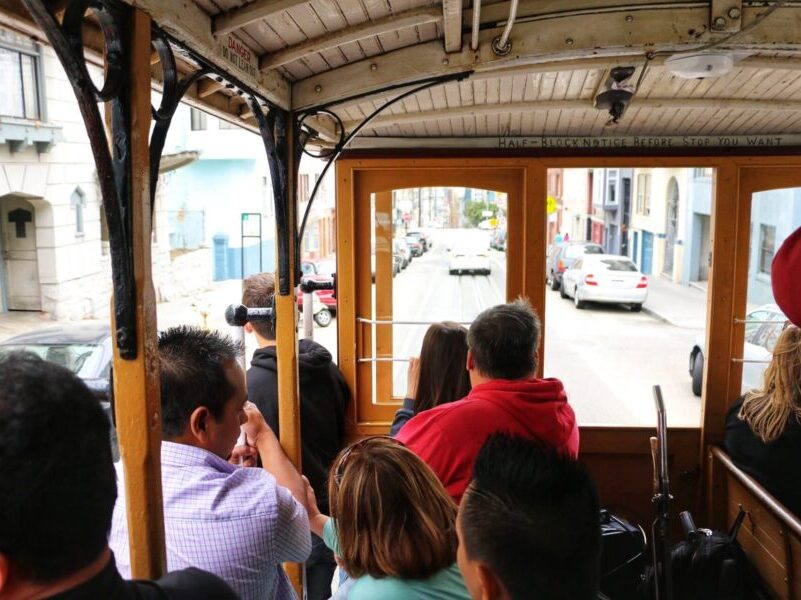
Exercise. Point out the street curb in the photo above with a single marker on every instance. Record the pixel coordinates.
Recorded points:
(657, 316)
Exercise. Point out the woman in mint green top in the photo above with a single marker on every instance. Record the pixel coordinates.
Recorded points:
(392, 525)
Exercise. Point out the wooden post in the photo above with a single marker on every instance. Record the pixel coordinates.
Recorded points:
(136, 382)
(383, 294)
(287, 343)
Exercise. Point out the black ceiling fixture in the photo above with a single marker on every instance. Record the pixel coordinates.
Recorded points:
(618, 93)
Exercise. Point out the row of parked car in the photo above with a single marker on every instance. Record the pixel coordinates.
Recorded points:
(584, 272)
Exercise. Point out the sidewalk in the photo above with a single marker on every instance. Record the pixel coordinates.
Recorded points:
(681, 306)
(183, 311)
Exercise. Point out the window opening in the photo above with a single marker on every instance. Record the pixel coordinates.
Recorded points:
(607, 253)
(19, 84)
(78, 202)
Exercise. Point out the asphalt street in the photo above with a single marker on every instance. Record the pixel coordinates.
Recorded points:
(608, 357)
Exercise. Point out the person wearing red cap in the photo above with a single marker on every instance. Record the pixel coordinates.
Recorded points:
(785, 276)
(763, 427)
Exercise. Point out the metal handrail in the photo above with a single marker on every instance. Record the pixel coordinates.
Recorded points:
(382, 359)
(743, 321)
(750, 360)
(392, 322)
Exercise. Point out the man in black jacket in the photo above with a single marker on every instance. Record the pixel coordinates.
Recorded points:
(323, 399)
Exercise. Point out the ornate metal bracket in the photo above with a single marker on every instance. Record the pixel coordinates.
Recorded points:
(273, 127)
(113, 165)
(345, 139)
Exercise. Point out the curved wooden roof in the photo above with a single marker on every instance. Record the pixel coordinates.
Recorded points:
(353, 55)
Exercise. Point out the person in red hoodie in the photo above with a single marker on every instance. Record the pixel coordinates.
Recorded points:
(506, 396)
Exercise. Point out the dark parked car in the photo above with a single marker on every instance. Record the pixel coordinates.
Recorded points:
(84, 349)
(415, 245)
(422, 238)
(498, 240)
(562, 257)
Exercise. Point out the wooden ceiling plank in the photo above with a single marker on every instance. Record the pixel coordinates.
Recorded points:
(187, 22)
(540, 41)
(667, 106)
(353, 33)
(233, 19)
(207, 87)
(452, 24)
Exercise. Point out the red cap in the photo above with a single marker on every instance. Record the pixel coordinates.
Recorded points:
(785, 274)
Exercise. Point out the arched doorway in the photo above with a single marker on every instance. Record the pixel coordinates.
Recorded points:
(20, 266)
(671, 225)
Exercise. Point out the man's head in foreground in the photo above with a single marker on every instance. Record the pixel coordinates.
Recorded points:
(57, 482)
(203, 389)
(502, 343)
(528, 525)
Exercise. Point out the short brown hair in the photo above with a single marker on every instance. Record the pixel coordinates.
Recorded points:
(258, 292)
(504, 340)
(393, 517)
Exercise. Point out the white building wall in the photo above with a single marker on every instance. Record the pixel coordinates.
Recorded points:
(574, 203)
(71, 274)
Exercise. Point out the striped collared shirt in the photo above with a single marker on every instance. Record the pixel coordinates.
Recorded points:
(235, 522)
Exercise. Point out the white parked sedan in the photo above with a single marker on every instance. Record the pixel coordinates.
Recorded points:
(762, 328)
(605, 278)
(469, 260)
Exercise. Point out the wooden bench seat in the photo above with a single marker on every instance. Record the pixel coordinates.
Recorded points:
(770, 535)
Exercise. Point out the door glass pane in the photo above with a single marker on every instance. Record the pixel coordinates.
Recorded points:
(775, 214)
(627, 272)
(441, 253)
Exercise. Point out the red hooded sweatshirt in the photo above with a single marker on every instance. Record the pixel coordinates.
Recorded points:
(448, 437)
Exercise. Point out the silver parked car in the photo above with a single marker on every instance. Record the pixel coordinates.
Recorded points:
(762, 328)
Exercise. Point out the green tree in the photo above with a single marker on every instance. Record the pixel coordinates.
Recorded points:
(474, 212)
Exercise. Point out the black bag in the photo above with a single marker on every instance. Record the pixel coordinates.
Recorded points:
(708, 565)
(622, 557)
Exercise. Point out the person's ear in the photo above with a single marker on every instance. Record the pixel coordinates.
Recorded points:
(5, 568)
(491, 587)
(470, 364)
(200, 421)
(248, 327)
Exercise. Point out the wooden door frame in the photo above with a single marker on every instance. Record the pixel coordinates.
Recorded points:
(736, 179)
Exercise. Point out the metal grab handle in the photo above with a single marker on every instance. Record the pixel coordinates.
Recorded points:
(760, 321)
(750, 360)
(392, 322)
(382, 359)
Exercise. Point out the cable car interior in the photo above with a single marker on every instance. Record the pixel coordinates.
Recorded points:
(506, 99)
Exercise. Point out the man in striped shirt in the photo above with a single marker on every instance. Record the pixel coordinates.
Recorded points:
(237, 522)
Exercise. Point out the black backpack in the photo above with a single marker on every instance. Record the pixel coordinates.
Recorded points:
(708, 565)
(622, 557)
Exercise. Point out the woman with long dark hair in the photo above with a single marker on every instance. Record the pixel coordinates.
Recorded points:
(763, 427)
(440, 374)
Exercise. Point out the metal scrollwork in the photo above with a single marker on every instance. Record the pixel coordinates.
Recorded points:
(112, 167)
(345, 138)
(273, 129)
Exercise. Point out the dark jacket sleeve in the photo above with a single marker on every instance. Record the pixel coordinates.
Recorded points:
(402, 415)
(263, 392)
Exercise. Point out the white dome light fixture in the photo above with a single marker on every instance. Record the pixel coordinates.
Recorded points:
(700, 66)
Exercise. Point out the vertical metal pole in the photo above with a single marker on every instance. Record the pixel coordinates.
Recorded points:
(287, 335)
(136, 382)
(308, 315)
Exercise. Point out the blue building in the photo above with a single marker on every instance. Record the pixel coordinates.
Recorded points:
(775, 214)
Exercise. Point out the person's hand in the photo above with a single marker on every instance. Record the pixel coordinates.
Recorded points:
(311, 498)
(413, 377)
(255, 426)
(243, 456)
